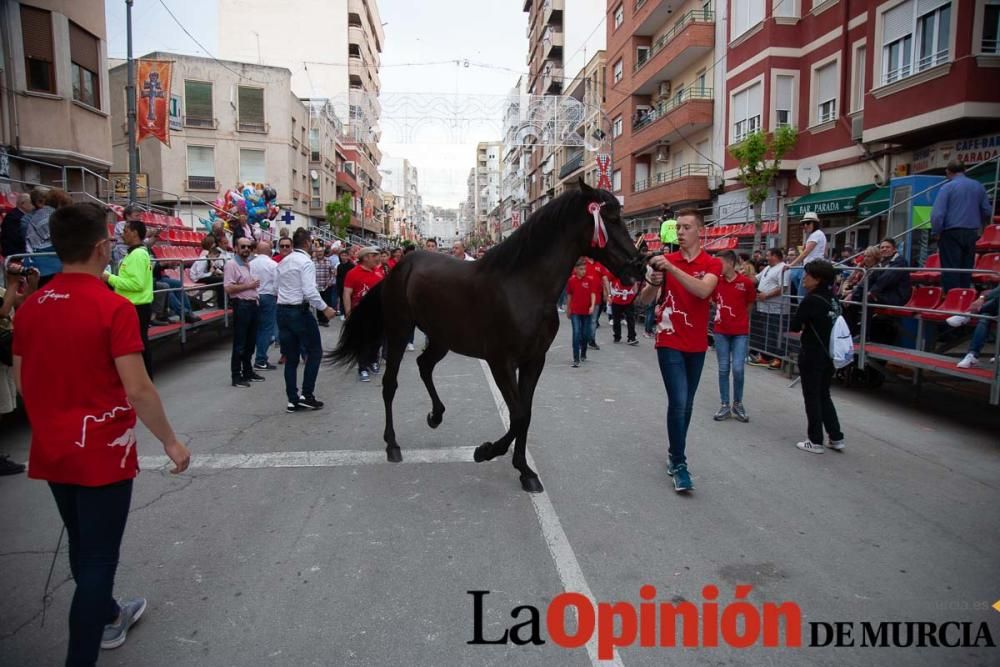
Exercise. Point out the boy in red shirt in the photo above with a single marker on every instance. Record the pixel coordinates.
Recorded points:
(622, 306)
(598, 275)
(83, 387)
(682, 284)
(357, 283)
(734, 299)
(582, 298)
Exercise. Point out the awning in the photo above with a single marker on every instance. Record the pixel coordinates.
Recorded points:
(876, 203)
(832, 202)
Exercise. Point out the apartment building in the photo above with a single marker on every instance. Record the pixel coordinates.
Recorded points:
(54, 110)
(572, 162)
(487, 187)
(660, 101)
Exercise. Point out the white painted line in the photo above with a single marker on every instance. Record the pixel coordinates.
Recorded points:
(313, 459)
(555, 537)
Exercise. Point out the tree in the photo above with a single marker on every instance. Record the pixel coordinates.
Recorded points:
(338, 215)
(759, 156)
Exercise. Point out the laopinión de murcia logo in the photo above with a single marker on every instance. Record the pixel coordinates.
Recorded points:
(651, 624)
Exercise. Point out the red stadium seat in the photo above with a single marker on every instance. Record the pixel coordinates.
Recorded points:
(988, 262)
(957, 300)
(990, 240)
(921, 297)
(933, 262)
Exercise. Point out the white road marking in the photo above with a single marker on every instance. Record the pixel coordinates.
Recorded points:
(312, 459)
(555, 537)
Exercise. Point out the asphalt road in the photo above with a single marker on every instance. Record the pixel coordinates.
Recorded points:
(338, 558)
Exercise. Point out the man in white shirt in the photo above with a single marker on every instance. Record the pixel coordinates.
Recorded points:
(770, 282)
(265, 269)
(298, 330)
(458, 252)
(814, 248)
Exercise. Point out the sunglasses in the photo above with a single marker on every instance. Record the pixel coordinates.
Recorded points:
(284, 246)
(244, 246)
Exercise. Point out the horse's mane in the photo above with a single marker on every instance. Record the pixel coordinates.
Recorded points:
(536, 236)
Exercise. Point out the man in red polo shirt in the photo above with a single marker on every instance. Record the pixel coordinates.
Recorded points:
(83, 387)
(357, 283)
(598, 276)
(682, 284)
(622, 306)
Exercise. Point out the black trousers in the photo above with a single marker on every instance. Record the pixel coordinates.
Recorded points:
(95, 518)
(957, 248)
(627, 312)
(245, 316)
(145, 313)
(816, 374)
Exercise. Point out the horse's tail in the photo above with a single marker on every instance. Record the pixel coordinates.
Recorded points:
(362, 333)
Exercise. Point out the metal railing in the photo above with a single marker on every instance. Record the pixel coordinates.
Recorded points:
(666, 106)
(686, 19)
(673, 175)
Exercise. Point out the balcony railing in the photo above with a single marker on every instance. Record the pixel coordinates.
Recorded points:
(201, 183)
(991, 46)
(200, 121)
(673, 175)
(572, 164)
(907, 69)
(665, 107)
(693, 16)
(251, 126)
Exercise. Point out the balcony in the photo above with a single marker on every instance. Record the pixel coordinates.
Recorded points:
(346, 179)
(552, 11)
(687, 183)
(687, 112)
(572, 165)
(356, 68)
(552, 80)
(691, 38)
(552, 43)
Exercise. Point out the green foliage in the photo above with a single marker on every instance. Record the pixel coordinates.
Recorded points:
(338, 215)
(759, 156)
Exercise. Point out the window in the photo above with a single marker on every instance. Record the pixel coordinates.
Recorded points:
(251, 109)
(641, 55)
(699, 83)
(825, 84)
(745, 110)
(991, 27)
(745, 14)
(616, 180)
(252, 167)
(201, 168)
(36, 35)
(314, 144)
(619, 16)
(198, 104)
(783, 100)
(616, 127)
(618, 71)
(85, 64)
(785, 8)
(858, 79)
(916, 35)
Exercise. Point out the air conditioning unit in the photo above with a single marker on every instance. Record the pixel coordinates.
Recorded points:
(663, 153)
(664, 89)
(857, 127)
(714, 181)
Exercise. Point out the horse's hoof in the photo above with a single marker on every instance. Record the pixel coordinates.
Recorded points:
(434, 421)
(531, 484)
(483, 453)
(393, 455)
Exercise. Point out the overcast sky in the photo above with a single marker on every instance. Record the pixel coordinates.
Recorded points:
(441, 143)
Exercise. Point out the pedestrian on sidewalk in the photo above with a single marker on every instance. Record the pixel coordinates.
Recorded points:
(581, 298)
(264, 269)
(134, 281)
(960, 210)
(815, 319)
(682, 284)
(241, 286)
(734, 299)
(83, 387)
(297, 328)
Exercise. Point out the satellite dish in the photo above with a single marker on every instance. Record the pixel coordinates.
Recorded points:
(313, 175)
(807, 173)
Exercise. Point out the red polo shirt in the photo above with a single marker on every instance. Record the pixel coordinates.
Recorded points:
(360, 280)
(683, 317)
(579, 291)
(621, 295)
(69, 334)
(597, 272)
(732, 317)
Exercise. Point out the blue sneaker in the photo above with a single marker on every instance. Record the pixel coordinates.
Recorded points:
(682, 478)
(114, 633)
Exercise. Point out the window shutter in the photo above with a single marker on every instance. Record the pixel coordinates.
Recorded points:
(897, 22)
(198, 100)
(251, 101)
(783, 93)
(754, 100)
(252, 169)
(927, 6)
(36, 31)
(83, 48)
(201, 161)
(826, 83)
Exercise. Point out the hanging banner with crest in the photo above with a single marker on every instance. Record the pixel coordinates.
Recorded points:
(152, 90)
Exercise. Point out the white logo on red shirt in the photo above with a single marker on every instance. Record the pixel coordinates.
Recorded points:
(52, 295)
(126, 439)
(666, 310)
(719, 305)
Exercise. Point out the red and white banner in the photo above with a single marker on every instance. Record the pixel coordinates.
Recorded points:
(152, 89)
(604, 171)
(515, 219)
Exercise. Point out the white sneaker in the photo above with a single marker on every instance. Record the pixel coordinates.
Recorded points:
(808, 446)
(968, 361)
(409, 347)
(837, 445)
(958, 320)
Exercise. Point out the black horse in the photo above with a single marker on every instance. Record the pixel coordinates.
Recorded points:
(501, 308)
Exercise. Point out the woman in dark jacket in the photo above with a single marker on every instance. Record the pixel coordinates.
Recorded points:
(814, 319)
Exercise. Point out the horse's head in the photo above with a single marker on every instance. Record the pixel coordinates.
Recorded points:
(608, 240)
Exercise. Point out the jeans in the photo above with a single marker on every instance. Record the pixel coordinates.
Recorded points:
(594, 316)
(681, 373)
(581, 335)
(95, 518)
(178, 300)
(796, 287)
(334, 297)
(245, 316)
(266, 325)
(326, 295)
(145, 313)
(983, 327)
(650, 318)
(299, 335)
(627, 312)
(731, 351)
(816, 375)
(957, 248)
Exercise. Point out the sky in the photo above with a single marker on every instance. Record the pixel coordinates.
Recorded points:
(487, 35)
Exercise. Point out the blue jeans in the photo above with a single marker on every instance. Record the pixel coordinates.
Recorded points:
(983, 327)
(594, 317)
(95, 518)
(731, 352)
(650, 318)
(178, 300)
(795, 281)
(266, 325)
(298, 333)
(581, 335)
(335, 297)
(681, 372)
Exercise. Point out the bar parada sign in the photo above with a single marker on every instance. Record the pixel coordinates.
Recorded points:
(970, 151)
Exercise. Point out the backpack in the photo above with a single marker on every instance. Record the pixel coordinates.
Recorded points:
(841, 344)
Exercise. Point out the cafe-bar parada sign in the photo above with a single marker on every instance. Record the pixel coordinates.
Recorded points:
(970, 151)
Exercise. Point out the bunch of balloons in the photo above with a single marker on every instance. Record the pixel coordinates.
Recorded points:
(259, 203)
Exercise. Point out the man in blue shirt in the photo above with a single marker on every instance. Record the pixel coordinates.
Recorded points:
(960, 211)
